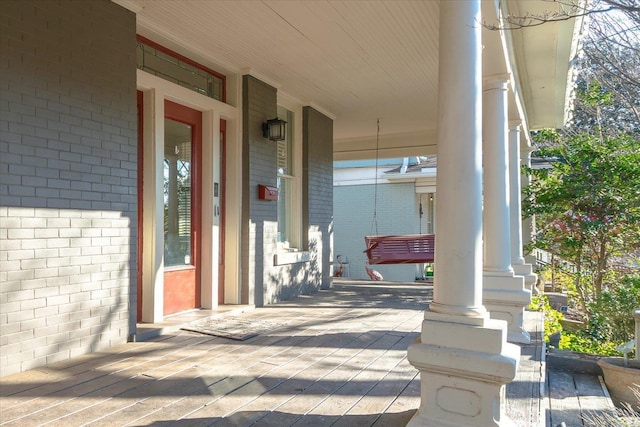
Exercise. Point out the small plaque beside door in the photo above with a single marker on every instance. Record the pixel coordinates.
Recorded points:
(267, 193)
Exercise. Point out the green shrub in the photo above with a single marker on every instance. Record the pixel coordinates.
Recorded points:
(537, 302)
(552, 317)
(610, 320)
(581, 342)
(610, 317)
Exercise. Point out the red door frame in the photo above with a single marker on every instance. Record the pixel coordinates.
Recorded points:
(182, 287)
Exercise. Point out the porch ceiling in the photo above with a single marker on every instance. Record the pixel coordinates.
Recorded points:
(356, 61)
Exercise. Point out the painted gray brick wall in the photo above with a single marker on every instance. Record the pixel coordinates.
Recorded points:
(263, 282)
(68, 197)
(318, 193)
(259, 233)
(397, 213)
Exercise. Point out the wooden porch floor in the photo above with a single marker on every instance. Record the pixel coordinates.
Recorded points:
(336, 358)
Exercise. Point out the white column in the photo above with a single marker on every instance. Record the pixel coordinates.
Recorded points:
(636, 317)
(528, 224)
(504, 293)
(462, 354)
(153, 209)
(520, 267)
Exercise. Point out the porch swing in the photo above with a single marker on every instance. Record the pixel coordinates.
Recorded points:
(396, 249)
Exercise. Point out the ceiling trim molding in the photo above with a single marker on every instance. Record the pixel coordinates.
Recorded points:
(129, 4)
(261, 77)
(322, 110)
(389, 146)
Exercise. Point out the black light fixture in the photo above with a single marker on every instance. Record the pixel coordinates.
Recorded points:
(275, 129)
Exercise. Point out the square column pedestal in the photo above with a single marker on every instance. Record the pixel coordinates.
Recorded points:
(464, 364)
(526, 271)
(505, 296)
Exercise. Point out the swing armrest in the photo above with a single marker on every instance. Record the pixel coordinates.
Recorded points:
(371, 247)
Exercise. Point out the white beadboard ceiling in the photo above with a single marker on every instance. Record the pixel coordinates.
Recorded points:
(357, 61)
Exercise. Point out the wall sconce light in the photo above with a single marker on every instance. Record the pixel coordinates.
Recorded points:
(275, 129)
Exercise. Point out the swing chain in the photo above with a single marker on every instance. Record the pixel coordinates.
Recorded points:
(374, 222)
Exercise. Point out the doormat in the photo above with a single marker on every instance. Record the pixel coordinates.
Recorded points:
(234, 328)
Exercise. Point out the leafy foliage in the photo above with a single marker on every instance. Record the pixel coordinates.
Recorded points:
(587, 203)
(584, 343)
(552, 317)
(610, 323)
(611, 318)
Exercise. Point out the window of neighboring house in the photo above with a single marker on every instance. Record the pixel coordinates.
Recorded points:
(171, 66)
(288, 209)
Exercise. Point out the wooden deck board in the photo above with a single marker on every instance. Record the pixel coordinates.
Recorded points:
(365, 380)
(328, 379)
(222, 407)
(263, 372)
(563, 399)
(53, 380)
(523, 393)
(70, 387)
(337, 357)
(591, 397)
(202, 389)
(369, 408)
(403, 407)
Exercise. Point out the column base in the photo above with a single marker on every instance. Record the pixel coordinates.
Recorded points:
(463, 371)
(530, 278)
(505, 297)
(531, 259)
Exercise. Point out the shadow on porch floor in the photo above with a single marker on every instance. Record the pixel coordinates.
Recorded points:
(337, 358)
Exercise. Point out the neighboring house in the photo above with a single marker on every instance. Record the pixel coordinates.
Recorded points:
(405, 195)
(136, 180)
(401, 200)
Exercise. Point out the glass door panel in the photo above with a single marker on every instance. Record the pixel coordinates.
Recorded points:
(181, 203)
(177, 194)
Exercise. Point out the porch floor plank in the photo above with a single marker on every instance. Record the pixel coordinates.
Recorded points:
(524, 393)
(337, 357)
(563, 397)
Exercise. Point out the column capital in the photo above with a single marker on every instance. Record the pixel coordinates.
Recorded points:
(496, 82)
(515, 125)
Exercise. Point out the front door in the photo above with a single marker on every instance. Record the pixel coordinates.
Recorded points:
(181, 195)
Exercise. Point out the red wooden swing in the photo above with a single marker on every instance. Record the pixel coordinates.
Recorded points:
(400, 249)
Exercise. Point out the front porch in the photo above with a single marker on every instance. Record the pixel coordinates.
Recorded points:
(338, 357)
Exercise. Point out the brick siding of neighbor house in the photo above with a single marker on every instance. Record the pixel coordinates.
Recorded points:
(397, 213)
(262, 281)
(68, 187)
